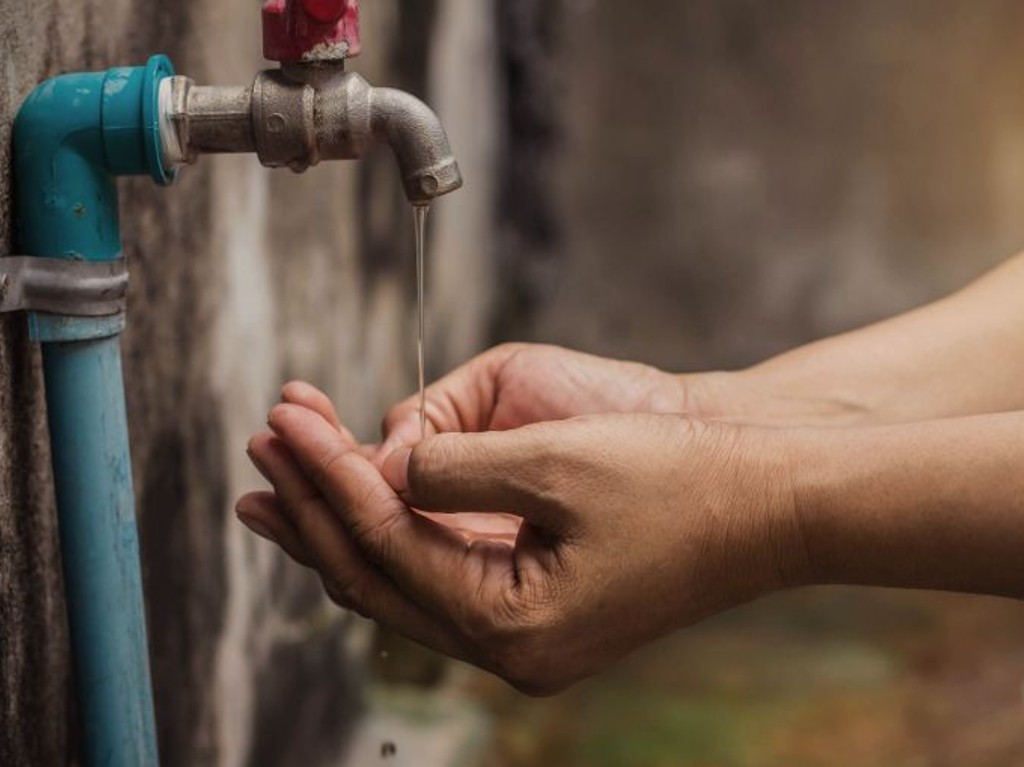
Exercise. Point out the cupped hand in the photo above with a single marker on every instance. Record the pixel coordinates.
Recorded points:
(518, 384)
(267, 520)
(632, 525)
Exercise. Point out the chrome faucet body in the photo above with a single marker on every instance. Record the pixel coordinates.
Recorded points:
(303, 113)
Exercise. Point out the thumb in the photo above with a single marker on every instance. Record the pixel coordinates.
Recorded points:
(405, 431)
(516, 472)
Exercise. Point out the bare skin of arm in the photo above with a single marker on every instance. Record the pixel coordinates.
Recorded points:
(962, 355)
(567, 509)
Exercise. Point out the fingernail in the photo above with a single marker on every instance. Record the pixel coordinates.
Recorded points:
(396, 469)
(254, 459)
(256, 526)
(403, 435)
(293, 391)
(274, 416)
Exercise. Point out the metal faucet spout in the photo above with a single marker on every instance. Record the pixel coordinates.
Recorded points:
(419, 141)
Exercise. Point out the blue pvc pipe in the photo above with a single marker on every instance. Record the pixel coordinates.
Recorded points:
(72, 136)
(100, 549)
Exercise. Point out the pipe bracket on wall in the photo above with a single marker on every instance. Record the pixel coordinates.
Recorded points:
(67, 288)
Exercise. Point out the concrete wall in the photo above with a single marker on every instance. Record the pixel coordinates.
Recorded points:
(735, 177)
(241, 279)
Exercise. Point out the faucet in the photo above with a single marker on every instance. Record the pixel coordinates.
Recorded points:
(310, 109)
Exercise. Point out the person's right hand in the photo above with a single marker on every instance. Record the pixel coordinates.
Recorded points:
(626, 528)
(515, 385)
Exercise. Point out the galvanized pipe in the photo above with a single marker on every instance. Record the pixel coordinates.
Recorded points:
(220, 120)
(302, 114)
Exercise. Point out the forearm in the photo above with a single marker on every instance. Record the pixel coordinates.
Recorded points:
(934, 505)
(962, 355)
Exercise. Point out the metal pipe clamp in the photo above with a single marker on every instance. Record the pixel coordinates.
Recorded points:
(65, 287)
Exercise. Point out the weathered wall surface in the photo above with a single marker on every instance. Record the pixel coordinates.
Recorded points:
(242, 278)
(734, 177)
(742, 176)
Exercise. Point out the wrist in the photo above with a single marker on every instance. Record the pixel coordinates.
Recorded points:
(755, 511)
(783, 531)
(763, 397)
(932, 505)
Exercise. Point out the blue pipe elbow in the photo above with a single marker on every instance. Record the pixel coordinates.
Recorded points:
(73, 134)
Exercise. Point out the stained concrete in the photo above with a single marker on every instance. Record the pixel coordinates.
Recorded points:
(242, 278)
(736, 177)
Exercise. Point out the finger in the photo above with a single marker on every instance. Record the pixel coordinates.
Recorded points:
(351, 580)
(308, 396)
(430, 562)
(511, 471)
(262, 513)
(460, 401)
(298, 496)
(406, 429)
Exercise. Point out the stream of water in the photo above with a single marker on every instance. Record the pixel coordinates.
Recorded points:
(420, 217)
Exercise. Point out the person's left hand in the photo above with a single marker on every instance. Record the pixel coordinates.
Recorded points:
(623, 528)
(266, 520)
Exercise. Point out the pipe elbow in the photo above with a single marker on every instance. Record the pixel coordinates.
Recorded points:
(51, 117)
(72, 136)
(419, 142)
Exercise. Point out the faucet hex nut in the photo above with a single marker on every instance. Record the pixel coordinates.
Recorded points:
(174, 121)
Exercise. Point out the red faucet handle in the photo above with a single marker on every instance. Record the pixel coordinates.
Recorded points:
(310, 30)
(325, 11)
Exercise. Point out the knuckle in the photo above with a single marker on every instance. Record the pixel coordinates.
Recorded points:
(350, 595)
(327, 463)
(338, 594)
(428, 458)
(376, 538)
(303, 507)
